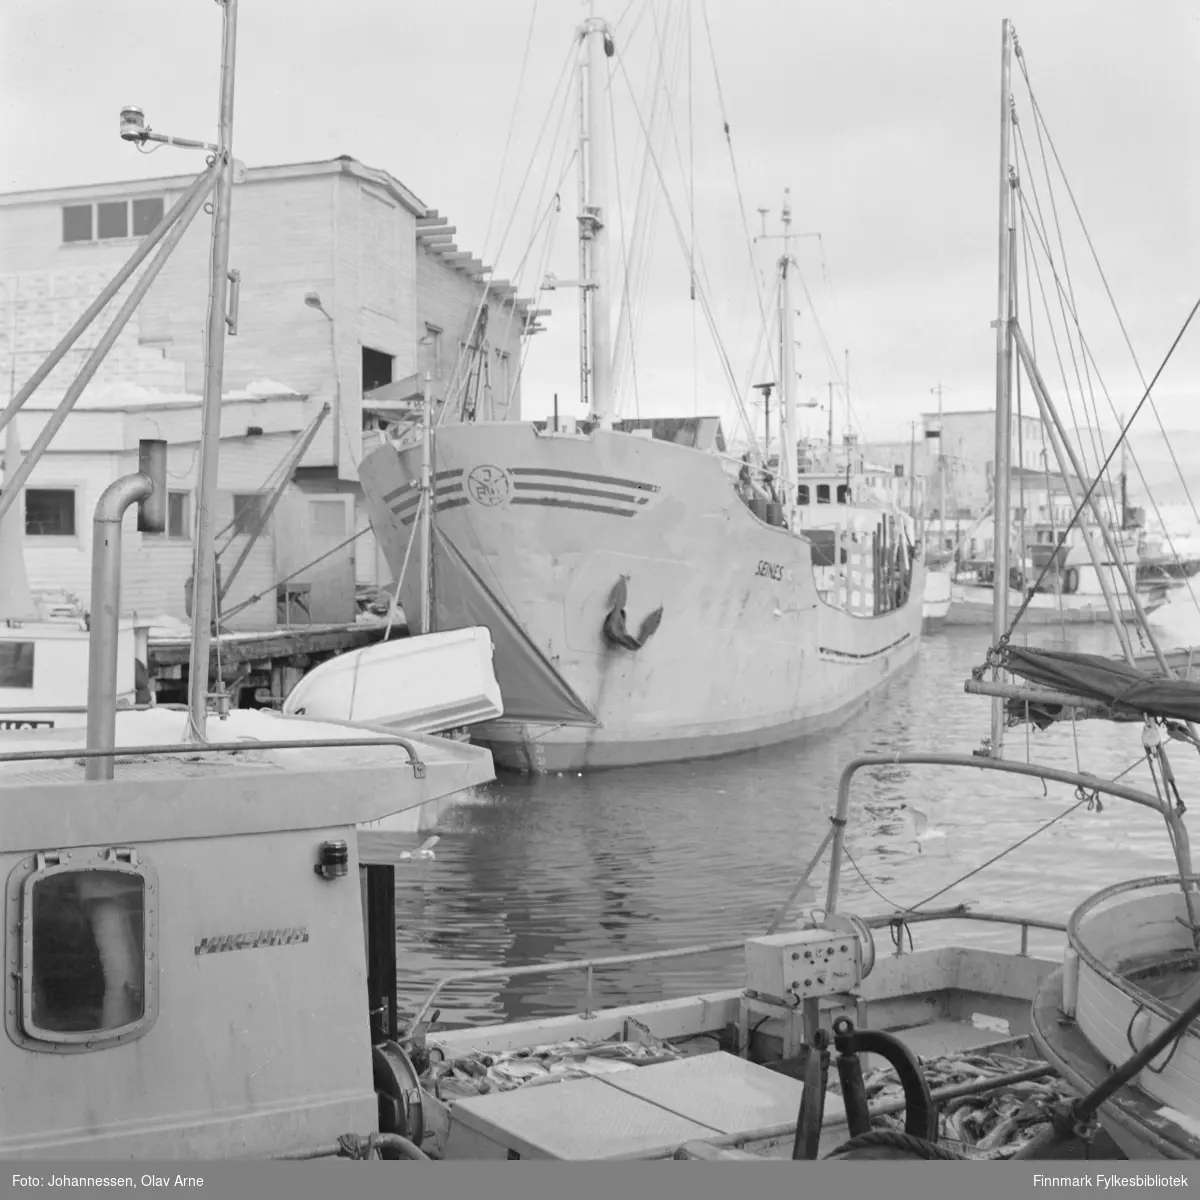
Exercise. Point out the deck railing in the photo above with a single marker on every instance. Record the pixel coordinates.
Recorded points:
(394, 741)
(591, 965)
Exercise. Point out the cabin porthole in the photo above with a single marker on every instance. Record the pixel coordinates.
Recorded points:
(81, 950)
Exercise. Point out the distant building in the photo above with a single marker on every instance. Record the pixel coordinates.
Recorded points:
(965, 442)
(348, 283)
(98, 443)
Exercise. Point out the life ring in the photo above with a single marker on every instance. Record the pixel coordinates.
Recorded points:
(1070, 581)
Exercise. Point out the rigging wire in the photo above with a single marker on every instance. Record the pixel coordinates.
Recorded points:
(637, 405)
(692, 212)
(1051, 508)
(512, 126)
(733, 166)
(702, 290)
(662, 80)
(1124, 432)
(1043, 237)
(1113, 409)
(543, 265)
(1088, 799)
(1100, 270)
(483, 298)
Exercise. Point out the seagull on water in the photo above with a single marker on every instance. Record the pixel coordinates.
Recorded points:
(424, 850)
(922, 830)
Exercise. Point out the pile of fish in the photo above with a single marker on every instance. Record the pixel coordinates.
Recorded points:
(994, 1122)
(478, 1073)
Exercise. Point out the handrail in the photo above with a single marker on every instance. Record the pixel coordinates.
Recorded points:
(877, 921)
(979, 763)
(220, 747)
(15, 710)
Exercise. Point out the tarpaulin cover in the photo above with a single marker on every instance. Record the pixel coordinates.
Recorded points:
(1110, 681)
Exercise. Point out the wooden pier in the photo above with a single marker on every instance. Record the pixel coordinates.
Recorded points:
(259, 669)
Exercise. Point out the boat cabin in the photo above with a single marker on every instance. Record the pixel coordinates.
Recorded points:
(44, 672)
(183, 948)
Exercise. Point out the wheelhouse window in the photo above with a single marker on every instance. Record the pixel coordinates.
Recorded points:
(16, 664)
(802, 494)
(50, 512)
(822, 493)
(843, 493)
(88, 936)
(111, 220)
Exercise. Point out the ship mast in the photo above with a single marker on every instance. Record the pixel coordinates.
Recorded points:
(204, 564)
(1000, 473)
(595, 341)
(787, 372)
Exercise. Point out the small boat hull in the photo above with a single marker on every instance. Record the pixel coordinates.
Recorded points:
(935, 604)
(425, 684)
(1135, 1121)
(972, 605)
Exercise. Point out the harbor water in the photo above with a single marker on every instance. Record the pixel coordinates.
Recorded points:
(622, 862)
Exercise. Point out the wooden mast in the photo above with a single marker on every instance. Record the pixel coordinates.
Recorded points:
(1000, 472)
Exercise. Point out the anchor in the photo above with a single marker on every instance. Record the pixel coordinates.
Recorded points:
(614, 630)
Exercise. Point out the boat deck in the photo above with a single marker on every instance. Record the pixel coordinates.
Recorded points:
(658, 1080)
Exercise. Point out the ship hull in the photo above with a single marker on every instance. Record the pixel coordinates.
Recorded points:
(534, 533)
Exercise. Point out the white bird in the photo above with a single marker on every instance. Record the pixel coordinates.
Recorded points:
(922, 830)
(424, 850)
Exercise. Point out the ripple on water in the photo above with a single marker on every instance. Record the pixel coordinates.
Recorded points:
(628, 861)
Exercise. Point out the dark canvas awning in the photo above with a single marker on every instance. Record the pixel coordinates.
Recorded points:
(1129, 692)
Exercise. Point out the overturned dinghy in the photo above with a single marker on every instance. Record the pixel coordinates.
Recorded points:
(426, 684)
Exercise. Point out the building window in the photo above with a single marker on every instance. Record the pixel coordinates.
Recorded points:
(178, 513)
(376, 369)
(77, 223)
(83, 964)
(50, 512)
(247, 513)
(147, 213)
(111, 220)
(16, 664)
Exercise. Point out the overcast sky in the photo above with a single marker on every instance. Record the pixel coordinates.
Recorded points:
(882, 119)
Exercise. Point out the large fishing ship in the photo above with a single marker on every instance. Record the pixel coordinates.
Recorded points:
(651, 596)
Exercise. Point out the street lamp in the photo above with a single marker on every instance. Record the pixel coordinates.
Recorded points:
(313, 300)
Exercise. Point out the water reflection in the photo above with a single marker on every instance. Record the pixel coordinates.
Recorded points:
(646, 858)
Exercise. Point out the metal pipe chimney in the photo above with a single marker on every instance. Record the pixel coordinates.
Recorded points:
(147, 489)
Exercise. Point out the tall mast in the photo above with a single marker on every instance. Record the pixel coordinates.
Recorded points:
(595, 335)
(941, 467)
(1000, 474)
(787, 372)
(204, 562)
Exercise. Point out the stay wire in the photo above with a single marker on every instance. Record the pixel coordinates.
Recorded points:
(1090, 799)
(1107, 395)
(1038, 117)
(1104, 467)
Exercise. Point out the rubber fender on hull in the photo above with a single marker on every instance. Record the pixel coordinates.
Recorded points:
(615, 632)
